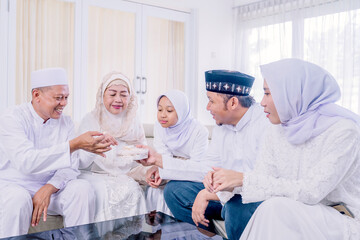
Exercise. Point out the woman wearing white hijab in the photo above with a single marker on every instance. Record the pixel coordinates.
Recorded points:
(117, 194)
(177, 137)
(310, 159)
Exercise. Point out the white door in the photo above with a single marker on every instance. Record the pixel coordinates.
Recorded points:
(164, 52)
(146, 43)
(109, 43)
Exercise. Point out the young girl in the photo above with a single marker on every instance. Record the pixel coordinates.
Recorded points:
(180, 143)
(310, 159)
(117, 194)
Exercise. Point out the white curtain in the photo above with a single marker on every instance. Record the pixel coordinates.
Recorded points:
(111, 47)
(165, 60)
(325, 32)
(44, 38)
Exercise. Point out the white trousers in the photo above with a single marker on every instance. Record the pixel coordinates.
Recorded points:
(155, 200)
(283, 218)
(76, 203)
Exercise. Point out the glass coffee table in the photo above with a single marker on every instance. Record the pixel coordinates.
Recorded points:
(154, 225)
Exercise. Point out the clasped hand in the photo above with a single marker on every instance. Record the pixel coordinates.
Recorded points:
(222, 180)
(153, 177)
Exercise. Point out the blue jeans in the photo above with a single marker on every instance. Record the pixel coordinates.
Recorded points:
(180, 197)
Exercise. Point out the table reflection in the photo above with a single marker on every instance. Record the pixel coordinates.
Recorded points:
(151, 226)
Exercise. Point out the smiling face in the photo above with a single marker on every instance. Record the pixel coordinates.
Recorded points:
(49, 102)
(269, 106)
(116, 99)
(166, 114)
(217, 108)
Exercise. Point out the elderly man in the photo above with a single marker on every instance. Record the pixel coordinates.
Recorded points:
(38, 162)
(234, 145)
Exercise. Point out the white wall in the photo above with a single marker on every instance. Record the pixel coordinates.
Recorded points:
(214, 25)
(215, 46)
(213, 41)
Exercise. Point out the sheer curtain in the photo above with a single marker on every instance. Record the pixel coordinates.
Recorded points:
(165, 60)
(111, 47)
(325, 32)
(44, 38)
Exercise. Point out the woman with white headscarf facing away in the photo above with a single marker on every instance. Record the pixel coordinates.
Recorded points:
(117, 194)
(310, 159)
(180, 142)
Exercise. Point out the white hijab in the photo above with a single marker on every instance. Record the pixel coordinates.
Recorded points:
(304, 95)
(125, 126)
(176, 136)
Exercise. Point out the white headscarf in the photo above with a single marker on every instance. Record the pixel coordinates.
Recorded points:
(124, 126)
(176, 136)
(304, 95)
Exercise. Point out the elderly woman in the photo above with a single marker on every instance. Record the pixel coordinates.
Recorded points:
(310, 159)
(117, 194)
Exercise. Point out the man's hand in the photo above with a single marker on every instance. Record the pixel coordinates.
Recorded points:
(109, 139)
(154, 158)
(226, 180)
(198, 210)
(91, 141)
(208, 181)
(41, 201)
(153, 177)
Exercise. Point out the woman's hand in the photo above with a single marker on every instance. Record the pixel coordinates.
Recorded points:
(109, 139)
(154, 158)
(153, 177)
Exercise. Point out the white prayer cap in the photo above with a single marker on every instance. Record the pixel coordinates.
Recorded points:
(48, 77)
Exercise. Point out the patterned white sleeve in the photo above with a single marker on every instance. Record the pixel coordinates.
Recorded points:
(306, 172)
(225, 196)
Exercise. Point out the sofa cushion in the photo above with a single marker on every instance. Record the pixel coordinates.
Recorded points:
(52, 222)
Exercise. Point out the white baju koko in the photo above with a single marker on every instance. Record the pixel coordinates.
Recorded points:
(118, 195)
(236, 147)
(32, 154)
(182, 146)
(322, 171)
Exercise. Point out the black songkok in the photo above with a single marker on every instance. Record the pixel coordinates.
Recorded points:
(228, 82)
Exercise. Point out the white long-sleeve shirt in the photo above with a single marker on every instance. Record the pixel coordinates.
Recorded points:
(231, 147)
(185, 163)
(34, 153)
(325, 169)
(236, 147)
